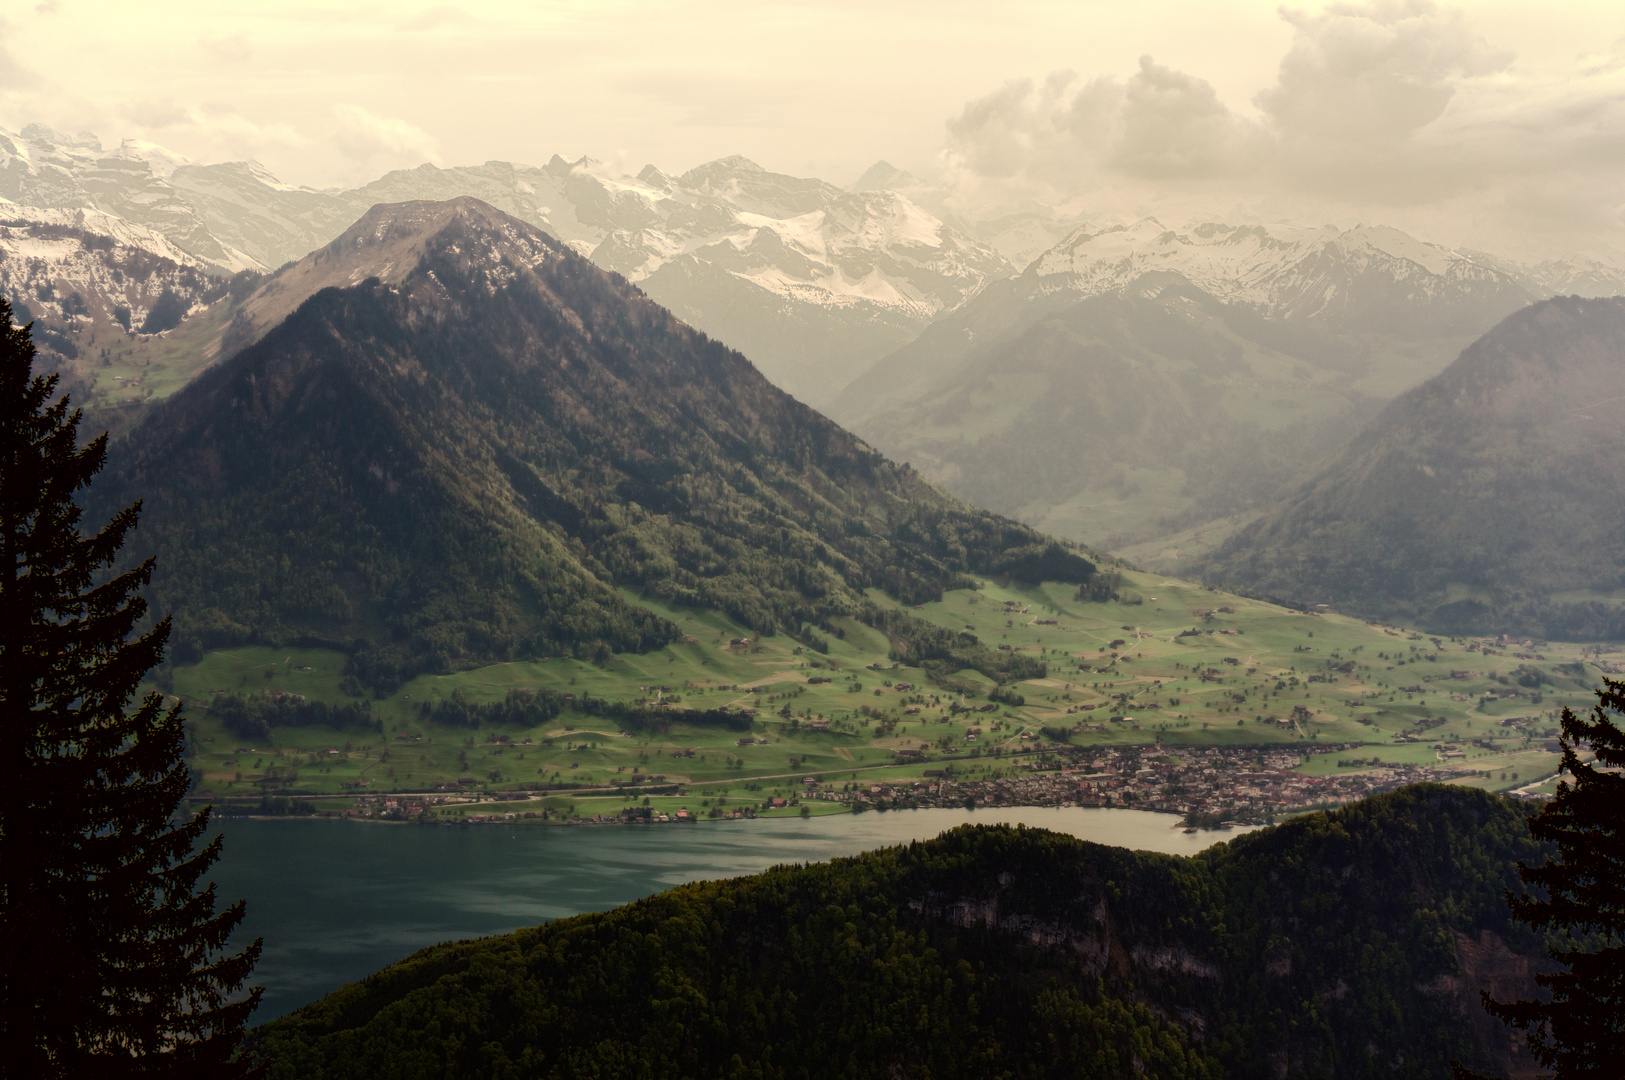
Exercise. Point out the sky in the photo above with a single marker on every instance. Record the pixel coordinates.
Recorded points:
(1496, 124)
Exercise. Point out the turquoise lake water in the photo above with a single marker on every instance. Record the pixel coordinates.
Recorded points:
(337, 900)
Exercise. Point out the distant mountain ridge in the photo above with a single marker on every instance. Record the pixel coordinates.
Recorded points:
(462, 446)
(1137, 380)
(1326, 280)
(1336, 276)
(1489, 499)
(813, 282)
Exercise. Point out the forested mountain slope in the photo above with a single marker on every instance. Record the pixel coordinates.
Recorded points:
(463, 456)
(1346, 944)
(1490, 498)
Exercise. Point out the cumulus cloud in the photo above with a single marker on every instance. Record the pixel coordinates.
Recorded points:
(1373, 76)
(367, 137)
(1173, 126)
(1395, 110)
(215, 131)
(1158, 124)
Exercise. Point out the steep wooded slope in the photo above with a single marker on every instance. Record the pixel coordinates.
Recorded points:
(1490, 498)
(1348, 944)
(463, 456)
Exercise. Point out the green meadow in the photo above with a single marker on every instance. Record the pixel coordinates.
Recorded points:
(1169, 663)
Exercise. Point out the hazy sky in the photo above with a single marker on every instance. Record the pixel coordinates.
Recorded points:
(1486, 121)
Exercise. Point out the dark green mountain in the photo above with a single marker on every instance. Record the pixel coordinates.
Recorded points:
(1489, 499)
(476, 447)
(1348, 944)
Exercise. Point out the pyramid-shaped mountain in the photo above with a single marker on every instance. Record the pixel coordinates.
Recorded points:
(476, 445)
(1489, 499)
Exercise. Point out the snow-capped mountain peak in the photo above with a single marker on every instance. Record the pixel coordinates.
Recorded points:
(161, 161)
(883, 176)
(1281, 270)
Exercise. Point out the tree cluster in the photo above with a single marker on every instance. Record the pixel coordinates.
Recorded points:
(113, 959)
(530, 708)
(251, 717)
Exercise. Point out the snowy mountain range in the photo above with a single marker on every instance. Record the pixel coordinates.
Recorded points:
(812, 282)
(1139, 380)
(1279, 271)
(1303, 283)
(854, 299)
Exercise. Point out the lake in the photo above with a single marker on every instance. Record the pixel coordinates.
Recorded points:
(338, 900)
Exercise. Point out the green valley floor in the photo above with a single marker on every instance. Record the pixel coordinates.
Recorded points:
(1172, 697)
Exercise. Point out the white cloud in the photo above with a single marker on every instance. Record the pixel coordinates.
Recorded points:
(213, 132)
(367, 137)
(1393, 111)
(1173, 126)
(1373, 76)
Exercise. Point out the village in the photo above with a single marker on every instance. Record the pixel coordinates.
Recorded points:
(1208, 787)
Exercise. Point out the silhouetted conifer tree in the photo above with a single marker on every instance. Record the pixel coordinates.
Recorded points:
(111, 956)
(1578, 897)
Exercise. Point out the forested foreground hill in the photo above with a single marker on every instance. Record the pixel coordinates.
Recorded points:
(1489, 499)
(1344, 944)
(470, 449)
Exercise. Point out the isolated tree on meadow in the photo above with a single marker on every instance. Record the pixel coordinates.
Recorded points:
(111, 955)
(1578, 898)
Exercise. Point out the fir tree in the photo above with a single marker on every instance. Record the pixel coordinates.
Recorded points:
(112, 958)
(1578, 897)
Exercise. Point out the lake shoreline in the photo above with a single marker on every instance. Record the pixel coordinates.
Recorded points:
(1178, 823)
(334, 905)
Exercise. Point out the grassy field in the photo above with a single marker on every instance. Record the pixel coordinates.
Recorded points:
(1171, 663)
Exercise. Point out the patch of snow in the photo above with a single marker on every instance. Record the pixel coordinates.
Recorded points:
(126, 233)
(804, 233)
(1259, 265)
(161, 161)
